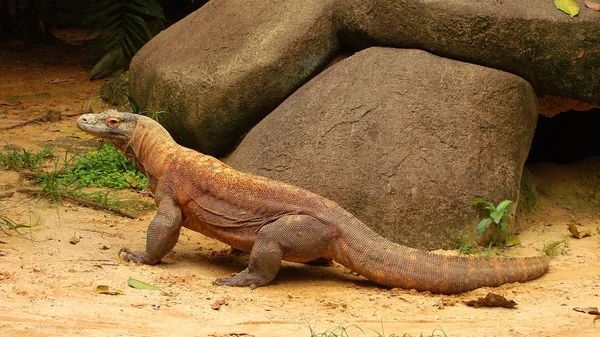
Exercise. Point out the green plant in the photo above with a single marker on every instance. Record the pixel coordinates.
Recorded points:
(463, 245)
(338, 331)
(555, 248)
(7, 225)
(466, 247)
(106, 168)
(135, 108)
(341, 331)
(124, 26)
(496, 217)
(90, 102)
(19, 159)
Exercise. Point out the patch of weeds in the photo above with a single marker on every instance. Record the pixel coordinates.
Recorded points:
(495, 220)
(90, 102)
(341, 331)
(464, 246)
(8, 225)
(135, 108)
(106, 168)
(21, 159)
(98, 197)
(555, 248)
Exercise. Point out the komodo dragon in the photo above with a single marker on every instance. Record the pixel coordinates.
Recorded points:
(274, 221)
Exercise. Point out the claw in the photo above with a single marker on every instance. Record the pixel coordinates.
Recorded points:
(137, 256)
(236, 280)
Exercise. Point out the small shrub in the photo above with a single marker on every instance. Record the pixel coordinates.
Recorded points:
(106, 168)
(21, 159)
(495, 220)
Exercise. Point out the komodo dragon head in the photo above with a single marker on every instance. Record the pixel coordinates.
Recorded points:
(140, 138)
(114, 126)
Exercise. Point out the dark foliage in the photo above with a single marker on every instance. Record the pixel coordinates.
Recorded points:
(123, 27)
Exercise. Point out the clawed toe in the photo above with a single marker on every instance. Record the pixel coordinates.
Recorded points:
(137, 256)
(221, 281)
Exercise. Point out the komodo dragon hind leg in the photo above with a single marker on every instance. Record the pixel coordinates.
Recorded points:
(300, 238)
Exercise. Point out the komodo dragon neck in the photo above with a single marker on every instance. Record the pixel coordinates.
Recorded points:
(150, 148)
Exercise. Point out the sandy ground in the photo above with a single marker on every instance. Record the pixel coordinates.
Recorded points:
(47, 285)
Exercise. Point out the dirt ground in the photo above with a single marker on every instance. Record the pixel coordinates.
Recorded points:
(48, 285)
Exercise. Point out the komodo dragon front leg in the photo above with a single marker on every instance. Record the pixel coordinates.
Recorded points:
(298, 238)
(162, 235)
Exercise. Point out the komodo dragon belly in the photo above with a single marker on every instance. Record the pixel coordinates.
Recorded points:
(239, 234)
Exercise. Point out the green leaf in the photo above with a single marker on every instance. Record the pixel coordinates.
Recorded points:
(503, 227)
(28, 224)
(488, 205)
(512, 241)
(131, 180)
(139, 25)
(104, 289)
(497, 216)
(109, 63)
(152, 6)
(483, 226)
(146, 11)
(141, 285)
(134, 106)
(101, 16)
(568, 6)
(503, 205)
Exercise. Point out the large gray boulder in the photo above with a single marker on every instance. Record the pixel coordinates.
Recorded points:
(556, 54)
(403, 139)
(223, 68)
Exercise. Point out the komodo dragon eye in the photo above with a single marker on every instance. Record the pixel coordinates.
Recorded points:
(113, 122)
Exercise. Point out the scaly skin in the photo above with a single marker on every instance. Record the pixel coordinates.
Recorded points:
(274, 221)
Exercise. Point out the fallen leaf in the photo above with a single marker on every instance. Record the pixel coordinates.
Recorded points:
(512, 241)
(591, 311)
(491, 300)
(579, 55)
(588, 310)
(130, 180)
(104, 289)
(592, 5)
(576, 232)
(74, 240)
(141, 285)
(568, 6)
(82, 135)
(28, 224)
(217, 304)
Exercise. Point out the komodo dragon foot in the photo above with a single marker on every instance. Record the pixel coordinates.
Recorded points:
(243, 279)
(138, 256)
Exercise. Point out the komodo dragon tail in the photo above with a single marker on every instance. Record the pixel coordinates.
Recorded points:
(394, 265)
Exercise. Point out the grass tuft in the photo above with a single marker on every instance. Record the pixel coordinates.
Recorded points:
(21, 159)
(356, 331)
(554, 248)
